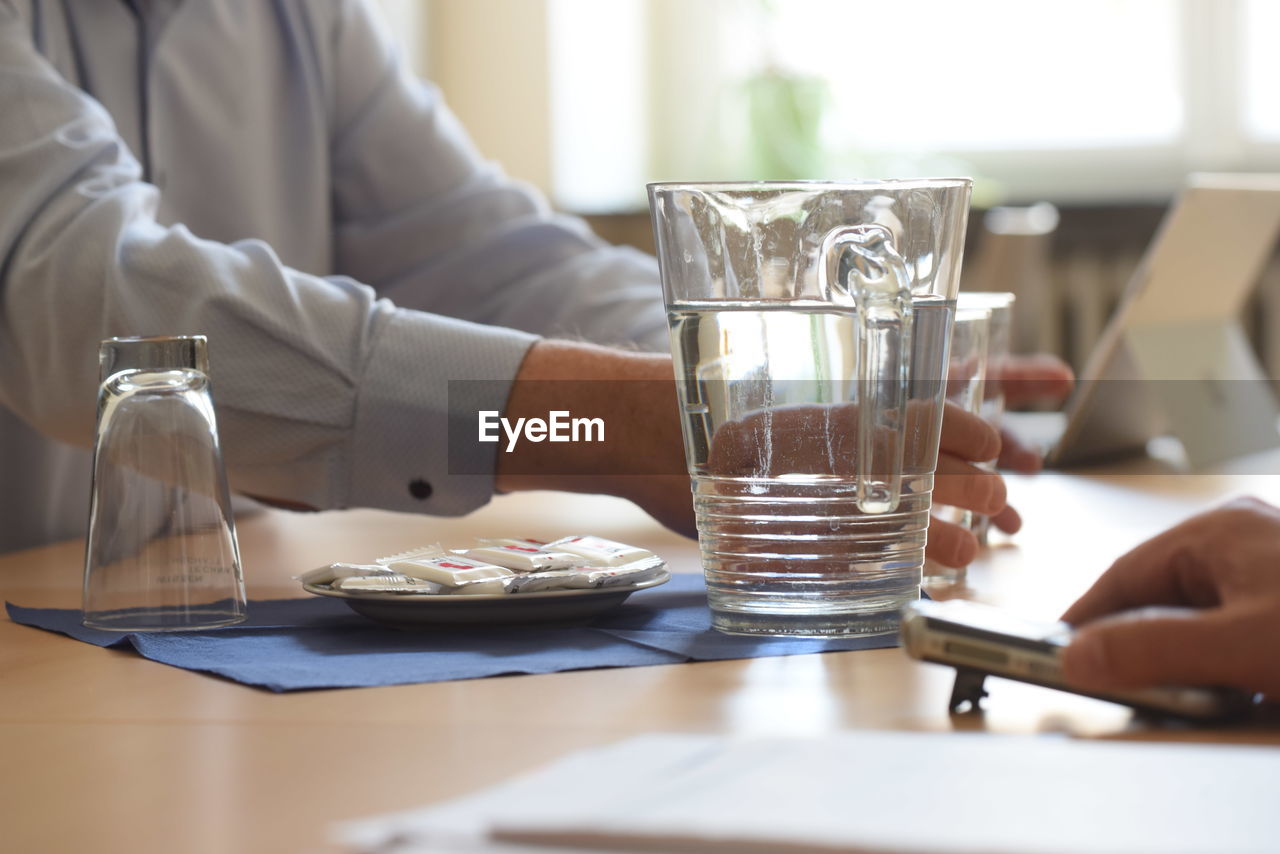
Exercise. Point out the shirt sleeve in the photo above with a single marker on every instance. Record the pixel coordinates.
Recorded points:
(326, 394)
(429, 223)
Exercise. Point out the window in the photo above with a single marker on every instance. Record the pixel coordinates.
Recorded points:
(937, 75)
(1065, 100)
(1260, 25)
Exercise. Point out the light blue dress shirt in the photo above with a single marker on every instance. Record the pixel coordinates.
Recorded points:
(267, 173)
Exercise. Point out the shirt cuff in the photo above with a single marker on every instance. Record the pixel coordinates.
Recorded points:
(399, 453)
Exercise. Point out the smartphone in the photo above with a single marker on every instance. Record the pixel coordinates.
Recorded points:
(979, 638)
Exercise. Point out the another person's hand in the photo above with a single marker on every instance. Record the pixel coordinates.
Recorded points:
(1196, 605)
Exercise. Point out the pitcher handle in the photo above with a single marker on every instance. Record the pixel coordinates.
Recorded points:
(864, 268)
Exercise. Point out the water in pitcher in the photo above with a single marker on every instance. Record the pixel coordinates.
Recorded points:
(770, 396)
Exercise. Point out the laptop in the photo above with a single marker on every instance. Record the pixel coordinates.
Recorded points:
(1174, 358)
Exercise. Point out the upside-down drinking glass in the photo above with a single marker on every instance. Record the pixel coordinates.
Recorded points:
(161, 553)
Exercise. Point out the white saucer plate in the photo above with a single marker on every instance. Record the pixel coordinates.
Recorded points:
(434, 610)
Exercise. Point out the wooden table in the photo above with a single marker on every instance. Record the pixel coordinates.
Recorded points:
(106, 751)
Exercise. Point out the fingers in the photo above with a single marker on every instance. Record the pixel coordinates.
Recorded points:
(1179, 566)
(950, 545)
(964, 485)
(967, 436)
(1141, 577)
(1018, 457)
(1008, 520)
(1039, 377)
(1161, 647)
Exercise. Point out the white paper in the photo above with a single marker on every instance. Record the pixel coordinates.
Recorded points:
(871, 792)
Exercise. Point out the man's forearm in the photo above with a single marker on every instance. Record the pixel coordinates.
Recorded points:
(633, 394)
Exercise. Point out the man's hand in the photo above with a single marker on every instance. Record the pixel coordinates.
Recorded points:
(646, 415)
(1040, 378)
(1196, 605)
(1024, 380)
(822, 439)
(966, 439)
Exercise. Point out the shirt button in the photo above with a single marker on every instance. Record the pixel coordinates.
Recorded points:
(420, 489)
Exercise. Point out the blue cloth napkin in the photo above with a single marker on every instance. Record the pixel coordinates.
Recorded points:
(295, 644)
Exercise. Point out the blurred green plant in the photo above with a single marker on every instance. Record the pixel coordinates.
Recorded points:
(779, 123)
(785, 113)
